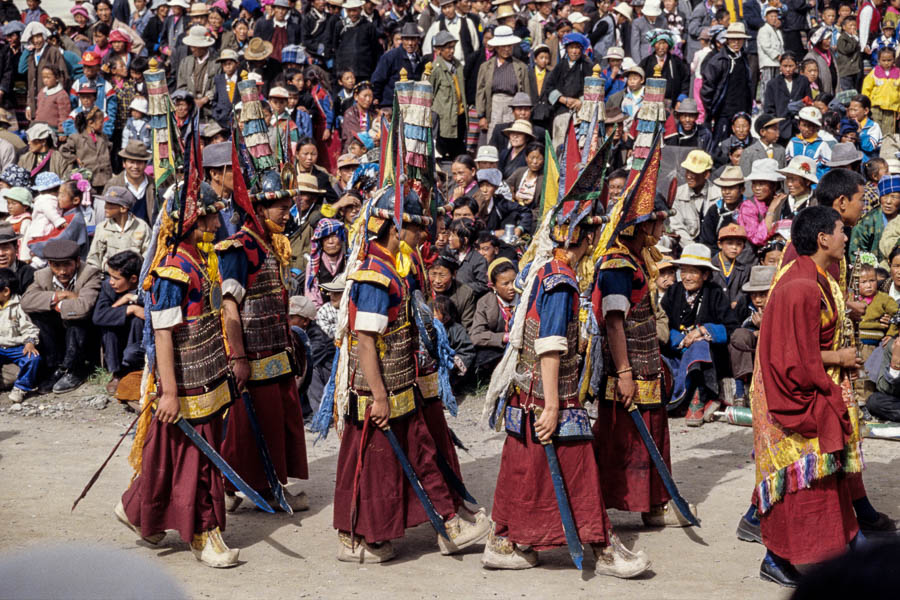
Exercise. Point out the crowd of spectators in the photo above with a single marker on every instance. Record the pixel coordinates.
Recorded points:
(769, 99)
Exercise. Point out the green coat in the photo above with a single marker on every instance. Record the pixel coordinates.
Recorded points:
(445, 102)
(867, 233)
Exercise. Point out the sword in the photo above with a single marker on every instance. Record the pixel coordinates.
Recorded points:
(661, 468)
(454, 481)
(223, 466)
(576, 550)
(413, 479)
(268, 466)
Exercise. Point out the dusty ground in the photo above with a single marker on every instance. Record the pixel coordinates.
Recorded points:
(47, 457)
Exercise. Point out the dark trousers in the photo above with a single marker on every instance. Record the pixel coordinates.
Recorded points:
(722, 130)
(64, 344)
(753, 63)
(884, 406)
(793, 41)
(122, 346)
(450, 148)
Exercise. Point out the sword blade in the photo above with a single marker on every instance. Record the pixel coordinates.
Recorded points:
(265, 457)
(436, 521)
(680, 503)
(565, 511)
(454, 481)
(223, 466)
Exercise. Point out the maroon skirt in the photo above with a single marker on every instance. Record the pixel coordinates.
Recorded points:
(628, 476)
(386, 503)
(811, 525)
(433, 411)
(178, 487)
(277, 409)
(856, 486)
(525, 508)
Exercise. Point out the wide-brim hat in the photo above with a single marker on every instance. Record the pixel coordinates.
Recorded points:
(503, 11)
(8, 234)
(441, 39)
(135, 150)
(615, 53)
(198, 9)
(651, 9)
(503, 36)
(614, 115)
(730, 177)
(696, 255)
(521, 100)
(520, 126)
(411, 30)
(198, 37)
(347, 160)
(801, 166)
(338, 284)
(844, 154)
(688, 106)
(308, 183)
(258, 49)
(760, 279)
(227, 54)
(624, 9)
(182, 3)
(576, 18)
(736, 31)
(764, 169)
(353, 4)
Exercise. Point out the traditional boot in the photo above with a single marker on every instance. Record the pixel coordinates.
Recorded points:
(748, 529)
(298, 502)
(232, 501)
(463, 533)
(500, 553)
(210, 549)
(616, 560)
(667, 515)
(694, 416)
(360, 551)
(777, 570)
(154, 539)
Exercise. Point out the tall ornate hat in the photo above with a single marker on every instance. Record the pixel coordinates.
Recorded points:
(381, 209)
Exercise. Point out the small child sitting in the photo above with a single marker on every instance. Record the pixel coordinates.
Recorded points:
(446, 312)
(138, 126)
(742, 345)
(876, 321)
(18, 337)
(18, 204)
(317, 348)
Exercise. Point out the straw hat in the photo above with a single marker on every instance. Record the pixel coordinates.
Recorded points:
(503, 36)
(730, 177)
(696, 255)
(697, 161)
(309, 184)
(760, 279)
(258, 49)
(764, 169)
(227, 54)
(198, 9)
(503, 11)
(802, 166)
(520, 126)
(198, 37)
(353, 4)
(736, 31)
(347, 160)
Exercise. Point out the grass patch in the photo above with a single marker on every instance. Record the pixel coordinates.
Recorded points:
(100, 377)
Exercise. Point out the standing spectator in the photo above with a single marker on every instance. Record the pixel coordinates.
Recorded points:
(106, 101)
(726, 82)
(138, 126)
(60, 303)
(52, 101)
(448, 85)
(135, 157)
(197, 71)
(766, 145)
(784, 93)
(18, 337)
(820, 51)
(278, 29)
(119, 314)
(356, 43)
(463, 27)
(90, 148)
(316, 27)
(688, 133)
(694, 197)
(565, 85)
(706, 48)
(809, 142)
(499, 79)
(848, 54)
(751, 12)
(42, 156)
(360, 117)
(408, 56)
(651, 19)
(33, 61)
(869, 131)
(770, 45)
(703, 16)
(869, 19)
(882, 86)
(613, 30)
(660, 62)
(795, 24)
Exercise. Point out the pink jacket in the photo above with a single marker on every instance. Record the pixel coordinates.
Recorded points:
(752, 217)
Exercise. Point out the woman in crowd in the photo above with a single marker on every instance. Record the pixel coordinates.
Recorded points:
(512, 158)
(527, 183)
(463, 170)
(359, 117)
(328, 257)
(740, 137)
(442, 276)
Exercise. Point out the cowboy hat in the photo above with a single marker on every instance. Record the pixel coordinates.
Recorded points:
(520, 126)
(8, 234)
(503, 36)
(760, 279)
(411, 30)
(730, 176)
(696, 255)
(736, 31)
(308, 183)
(135, 150)
(801, 166)
(258, 49)
(198, 9)
(227, 54)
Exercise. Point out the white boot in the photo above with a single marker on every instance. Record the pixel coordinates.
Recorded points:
(362, 551)
(210, 549)
(154, 539)
(500, 553)
(463, 533)
(667, 515)
(616, 560)
(232, 501)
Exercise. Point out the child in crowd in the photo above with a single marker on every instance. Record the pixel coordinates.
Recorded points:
(876, 322)
(742, 345)
(731, 274)
(472, 269)
(809, 68)
(463, 360)
(442, 235)
(810, 142)
(18, 205)
(886, 41)
(757, 215)
(613, 78)
(848, 55)
(344, 100)
(493, 315)
(87, 99)
(119, 314)
(298, 114)
(634, 94)
(724, 210)
(327, 315)
(882, 87)
(875, 169)
(138, 126)
(706, 48)
(799, 177)
(770, 254)
(52, 101)
(89, 148)
(18, 337)
(46, 216)
(869, 131)
(120, 231)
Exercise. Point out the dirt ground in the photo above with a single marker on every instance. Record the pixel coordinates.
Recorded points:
(47, 455)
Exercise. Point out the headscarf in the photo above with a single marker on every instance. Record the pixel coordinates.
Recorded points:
(658, 34)
(325, 228)
(15, 176)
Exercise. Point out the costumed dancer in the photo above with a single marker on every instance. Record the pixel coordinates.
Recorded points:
(804, 415)
(176, 485)
(372, 388)
(539, 374)
(254, 265)
(624, 304)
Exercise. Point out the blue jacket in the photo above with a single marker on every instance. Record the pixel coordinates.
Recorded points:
(222, 107)
(387, 73)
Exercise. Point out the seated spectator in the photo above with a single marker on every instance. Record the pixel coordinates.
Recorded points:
(740, 137)
(880, 307)
(472, 269)
(42, 155)
(809, 142)
(520, 135)
(884, 402)
(9, 251)
(688, 133)
(757, 214)
(875, 169)
(463, 360)
(463, 171)
(90, 147)
(328, 258)
(442, 276)
(860, 110)
(442, 234)
(866, 235)
(68, 201)
(493, 314)
(119, 313)
(700, 323)
(799, 177)
(18, 337)
(527, 182)
(327, 315)
(60, 302)
(120, 231)
(465, 208)
(135, 158)
(494, 210)
(767, 128)
(19, 203)
(521, 106)
(724, 210)
(346, 168)
(488, 246)
(317, 350)
(742, 344)
(770, 254)
(731, 274)
(694, 197)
